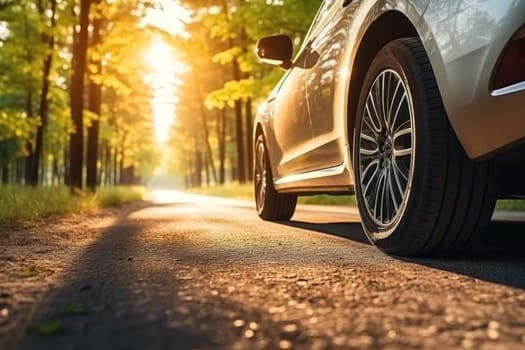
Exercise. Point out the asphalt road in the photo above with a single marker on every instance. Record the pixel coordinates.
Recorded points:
(190, 272)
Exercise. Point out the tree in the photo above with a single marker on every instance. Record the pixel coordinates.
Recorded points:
(76, 141)
(95, 100)
(222, 36)
(48, 39)
(43, 87)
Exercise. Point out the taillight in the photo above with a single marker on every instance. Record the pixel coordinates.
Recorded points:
(511, 69)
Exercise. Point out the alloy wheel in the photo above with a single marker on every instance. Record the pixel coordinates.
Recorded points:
(386, 149)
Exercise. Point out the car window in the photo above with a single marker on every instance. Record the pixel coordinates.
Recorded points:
(323, 13)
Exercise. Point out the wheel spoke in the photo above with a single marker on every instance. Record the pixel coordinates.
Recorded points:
(367, 151)
(402, 152)
(379, 196)
(384, 96)
(396, 172)
(371, 122)
(375, 166)
(391, 174)
(386, 148)
(399, 171)
(392, 102)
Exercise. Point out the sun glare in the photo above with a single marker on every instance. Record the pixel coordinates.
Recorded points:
(162, 79)
(163, 66)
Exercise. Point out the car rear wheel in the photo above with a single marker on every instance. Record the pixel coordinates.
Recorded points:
(271, 205)
(418, 192)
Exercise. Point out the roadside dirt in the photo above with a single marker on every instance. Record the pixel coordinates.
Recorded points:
(35, 257)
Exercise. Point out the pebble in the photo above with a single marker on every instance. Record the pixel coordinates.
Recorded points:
(285, 344)
(239, 323)
(302, 282)
(276, 309)
(290, 328)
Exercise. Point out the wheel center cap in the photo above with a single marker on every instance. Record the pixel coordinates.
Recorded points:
(386, 147)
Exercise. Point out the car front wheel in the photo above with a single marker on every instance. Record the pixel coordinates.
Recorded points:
(417, 191)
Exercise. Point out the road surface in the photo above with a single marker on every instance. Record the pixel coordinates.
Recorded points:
(191, 272)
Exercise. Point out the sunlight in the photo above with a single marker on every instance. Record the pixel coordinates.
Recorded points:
(164, 67)
(162, 79)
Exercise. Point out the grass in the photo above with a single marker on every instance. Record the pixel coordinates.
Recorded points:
(19, 204)
(119, 195)
(511, 204)
(245, 191)
(231, 190)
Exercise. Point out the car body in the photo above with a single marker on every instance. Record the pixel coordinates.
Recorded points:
(455, 71)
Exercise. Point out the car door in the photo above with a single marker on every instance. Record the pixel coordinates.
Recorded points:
(328, 39)
(292, 129)
(291, 124)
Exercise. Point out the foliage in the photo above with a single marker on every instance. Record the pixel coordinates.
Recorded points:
(216, 95)
(28, 38)
(218, 49)
(15, 129)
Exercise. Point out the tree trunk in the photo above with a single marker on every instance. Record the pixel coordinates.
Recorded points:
(95, 101)
(207, 171)
(43, 109)
(198, 168)
(56, 173)
(221, 139)
(94, 105)
(19, 170)
(76, 140)
(31, 175)
(115, 166)
(202, 109)
(239, 132)
(103, 165)
(5, 173)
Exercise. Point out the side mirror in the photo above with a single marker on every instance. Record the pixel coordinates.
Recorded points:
(276, 50)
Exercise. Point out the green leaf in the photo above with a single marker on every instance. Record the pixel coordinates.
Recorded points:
(50, 328)
(74, 309)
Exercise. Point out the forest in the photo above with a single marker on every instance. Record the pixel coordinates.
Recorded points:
(78, 96)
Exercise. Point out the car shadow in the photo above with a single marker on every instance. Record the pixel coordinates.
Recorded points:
(497, 258)
(352, 231)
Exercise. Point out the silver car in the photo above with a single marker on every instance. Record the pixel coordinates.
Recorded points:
(416, 106)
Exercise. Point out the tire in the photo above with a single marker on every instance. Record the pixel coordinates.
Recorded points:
(417, 191)
(270, 204)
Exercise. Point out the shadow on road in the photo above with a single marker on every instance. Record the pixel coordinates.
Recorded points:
(117, 299)
(499, 257)
(346, 230)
